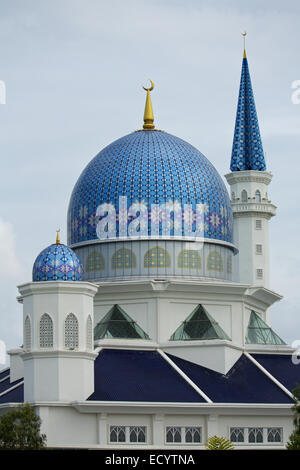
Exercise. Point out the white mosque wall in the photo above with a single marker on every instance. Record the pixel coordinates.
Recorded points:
(65, 426)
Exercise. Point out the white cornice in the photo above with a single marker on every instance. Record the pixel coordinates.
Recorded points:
(57, 287)
(249, 176)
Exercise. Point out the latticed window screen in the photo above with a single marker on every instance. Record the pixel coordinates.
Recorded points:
(157, 257)
(274, 434)
(193, 434)
(89, 333)
(117, 434)
(27, 334)
(189, 259)
(237, 434)
(137, 433)
(71, 332)
(173, 434)
(255, 435)
(46, 331)
(214, 261)
(258, 224)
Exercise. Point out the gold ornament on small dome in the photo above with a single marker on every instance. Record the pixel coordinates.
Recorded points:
(148, 114)
(57, 237)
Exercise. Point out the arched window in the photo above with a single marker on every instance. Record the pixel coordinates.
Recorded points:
(244, 196)
(95, 261)
(189, 259)
(123, 258)
(89, 333)
(257, 196)
(46, 331)
(233, 195)
(215, 261)
(71, 332)
(27, 334)
(157, 257)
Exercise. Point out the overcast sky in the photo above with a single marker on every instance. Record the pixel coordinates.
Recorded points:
(73, 71)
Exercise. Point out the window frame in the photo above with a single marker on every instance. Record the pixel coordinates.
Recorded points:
(258, 276)
(258, 226)
(183, 432)
(128, 429)
(258, 249)
(265, 435)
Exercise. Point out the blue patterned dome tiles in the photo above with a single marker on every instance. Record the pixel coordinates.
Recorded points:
(247, 149)
(57, 263)
(155, 178)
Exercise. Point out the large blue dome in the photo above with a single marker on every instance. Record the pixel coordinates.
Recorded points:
(57, 262)
(147, 175)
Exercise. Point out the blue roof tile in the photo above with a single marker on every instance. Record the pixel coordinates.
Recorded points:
(126, 375)
(244, 383)
(281, 367)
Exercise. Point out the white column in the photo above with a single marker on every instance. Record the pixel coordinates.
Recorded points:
(158, 431)
(102, 429)
(212, 425)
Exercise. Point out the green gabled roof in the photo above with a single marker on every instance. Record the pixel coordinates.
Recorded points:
(260, 333)
(117, 324)
(199, 325)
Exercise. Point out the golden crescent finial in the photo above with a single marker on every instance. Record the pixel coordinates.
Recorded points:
(148, 114)
(151, 87)
(57, 237)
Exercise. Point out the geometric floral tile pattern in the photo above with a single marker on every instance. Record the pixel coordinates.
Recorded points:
(189, 259)
(151, 168)
(57, 263)
(247, 149)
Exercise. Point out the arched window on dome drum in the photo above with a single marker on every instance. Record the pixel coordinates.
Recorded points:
(157, 257)
(89, 333)
(215, 261)
(95, 261)
(27, 334)
(123, 258)
(46, 331)
(257, 196)
(189, 259)
(71, 332)
(244, 196)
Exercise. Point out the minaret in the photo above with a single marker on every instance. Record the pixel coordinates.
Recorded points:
(249, 182)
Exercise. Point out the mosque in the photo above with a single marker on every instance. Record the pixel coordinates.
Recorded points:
(151, 328)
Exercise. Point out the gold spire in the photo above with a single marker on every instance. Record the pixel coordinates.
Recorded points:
(57, 237)
(148, 114)
(244, 34)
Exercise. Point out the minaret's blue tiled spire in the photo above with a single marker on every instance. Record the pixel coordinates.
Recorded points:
(247, 149)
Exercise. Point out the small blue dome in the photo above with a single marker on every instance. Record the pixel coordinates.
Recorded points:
(150, 168)
(57, 262)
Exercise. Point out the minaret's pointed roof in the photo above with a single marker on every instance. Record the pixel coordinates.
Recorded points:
(247, 149)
